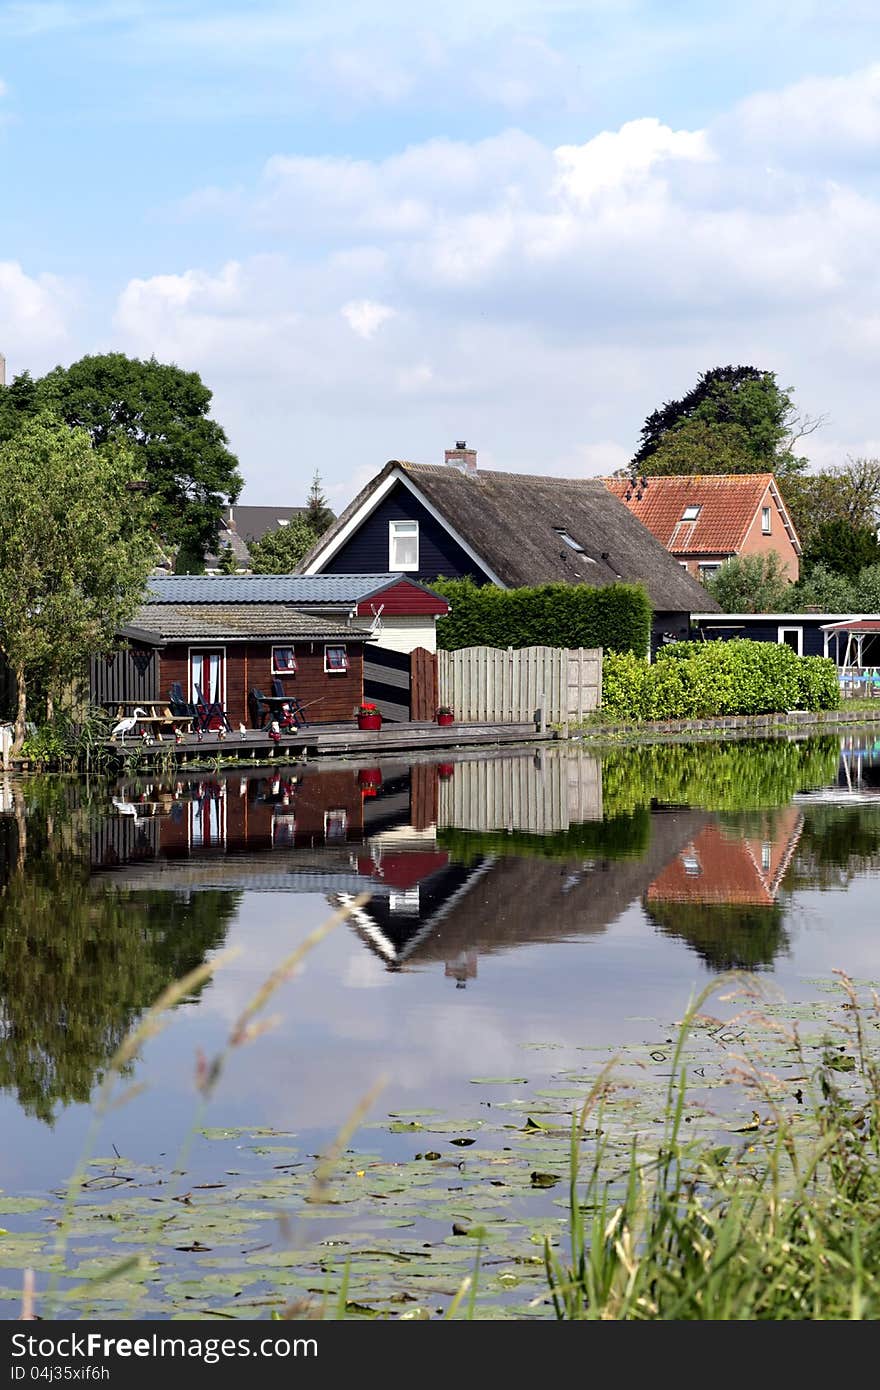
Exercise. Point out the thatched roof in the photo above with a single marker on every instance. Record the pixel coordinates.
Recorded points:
(514, 523)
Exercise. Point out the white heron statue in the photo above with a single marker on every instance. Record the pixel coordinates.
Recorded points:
(126, 725)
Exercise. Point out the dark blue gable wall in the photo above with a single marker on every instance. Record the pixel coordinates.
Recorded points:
(759, 627)
(366, 552)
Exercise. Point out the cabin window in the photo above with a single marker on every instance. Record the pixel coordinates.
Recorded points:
(335, 659)
(283, 661)
(403, 545)
(792, 637)
(690, 513)
(766, 521)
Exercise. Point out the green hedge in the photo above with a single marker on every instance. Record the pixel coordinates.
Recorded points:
(717, 678)
(616, 618)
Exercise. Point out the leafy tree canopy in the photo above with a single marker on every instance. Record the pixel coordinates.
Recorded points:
(76, 547)
(162, 412)
(280, 551)
(842, 547)
(850, 493)
(735, 420)
(752, 584)
(825, 591)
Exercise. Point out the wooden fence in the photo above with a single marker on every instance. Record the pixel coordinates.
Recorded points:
(542, 794)
(489, 685)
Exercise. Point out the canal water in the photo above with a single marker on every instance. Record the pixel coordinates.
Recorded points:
(513, 912)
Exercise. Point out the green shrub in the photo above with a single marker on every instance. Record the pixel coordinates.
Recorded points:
(616, 618)
(717, 678)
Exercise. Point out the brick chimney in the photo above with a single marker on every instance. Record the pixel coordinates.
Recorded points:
(462, 457)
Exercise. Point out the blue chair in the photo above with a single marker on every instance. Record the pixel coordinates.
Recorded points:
(207, 710)
(297, 718)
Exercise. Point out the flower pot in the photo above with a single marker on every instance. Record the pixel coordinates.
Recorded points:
(445, 719)
(370, 721)
(370, 777)
(445, 771)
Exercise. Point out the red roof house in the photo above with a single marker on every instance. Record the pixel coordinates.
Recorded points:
(708, 519)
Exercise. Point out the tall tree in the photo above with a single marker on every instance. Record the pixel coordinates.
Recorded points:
(318, 514)
(735, 420)
(76, 547)
(280, 551)
(752, 584)
(849, 492)
(162, 412)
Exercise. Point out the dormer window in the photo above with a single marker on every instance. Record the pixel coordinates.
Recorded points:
(403, 545)
(690, 513)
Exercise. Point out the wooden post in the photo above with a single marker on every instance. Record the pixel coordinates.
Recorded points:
(542, 714)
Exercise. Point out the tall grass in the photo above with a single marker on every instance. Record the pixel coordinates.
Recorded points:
(787, 1229)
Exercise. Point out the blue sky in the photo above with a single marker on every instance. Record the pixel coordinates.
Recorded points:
(375, 228)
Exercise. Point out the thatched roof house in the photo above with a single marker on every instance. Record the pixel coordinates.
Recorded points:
(509, 529)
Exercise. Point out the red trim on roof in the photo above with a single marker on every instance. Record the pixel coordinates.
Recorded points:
(860, 625)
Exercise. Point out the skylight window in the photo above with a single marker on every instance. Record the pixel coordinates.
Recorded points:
(690, 514)
(569, 540)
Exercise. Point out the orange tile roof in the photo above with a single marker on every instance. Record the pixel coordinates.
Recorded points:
(728, 503)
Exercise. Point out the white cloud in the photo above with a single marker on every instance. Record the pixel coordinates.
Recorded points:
(617, 158)
(815, 115)
(365, 316)
(545, 299)
(34, 314)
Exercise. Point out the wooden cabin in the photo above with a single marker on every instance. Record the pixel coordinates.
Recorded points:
(228, 650)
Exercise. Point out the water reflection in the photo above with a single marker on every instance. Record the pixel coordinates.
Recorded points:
(110, 894)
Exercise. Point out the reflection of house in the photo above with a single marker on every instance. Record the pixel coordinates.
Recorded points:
(494, 903)
(719, 894)
(706, 520)
(721, 866)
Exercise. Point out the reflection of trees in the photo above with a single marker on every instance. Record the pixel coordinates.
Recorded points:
(726, 936)
(78, 966)
(837, 842)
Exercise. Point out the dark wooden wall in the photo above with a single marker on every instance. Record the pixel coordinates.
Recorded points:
(249, 664)
(366, 552)
(757, 628)
(129, 674)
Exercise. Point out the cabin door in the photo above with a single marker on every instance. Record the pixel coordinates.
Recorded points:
(207, 672)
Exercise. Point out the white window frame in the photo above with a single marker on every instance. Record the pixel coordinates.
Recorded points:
(709, 569)
(336, 670)
(780, 637)
(400, 530)
(284, 670)
(766, 521)
(694, 508)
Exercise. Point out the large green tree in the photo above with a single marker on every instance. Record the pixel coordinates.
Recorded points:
(848, 492)
(734, 420)
(280, 551)
(752, 584)
(76, 546)
(162, 412)
(843, 547)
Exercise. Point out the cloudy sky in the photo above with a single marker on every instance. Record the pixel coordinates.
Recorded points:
(377, 227)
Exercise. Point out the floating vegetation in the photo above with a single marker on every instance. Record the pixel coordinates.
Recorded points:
(392, 1234)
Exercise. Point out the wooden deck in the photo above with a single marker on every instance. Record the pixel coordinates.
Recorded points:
(333, 739)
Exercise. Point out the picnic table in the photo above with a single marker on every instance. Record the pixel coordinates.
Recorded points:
(157, 718)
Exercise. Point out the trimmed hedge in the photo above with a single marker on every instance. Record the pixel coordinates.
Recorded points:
(717, 678)
(616, 618)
